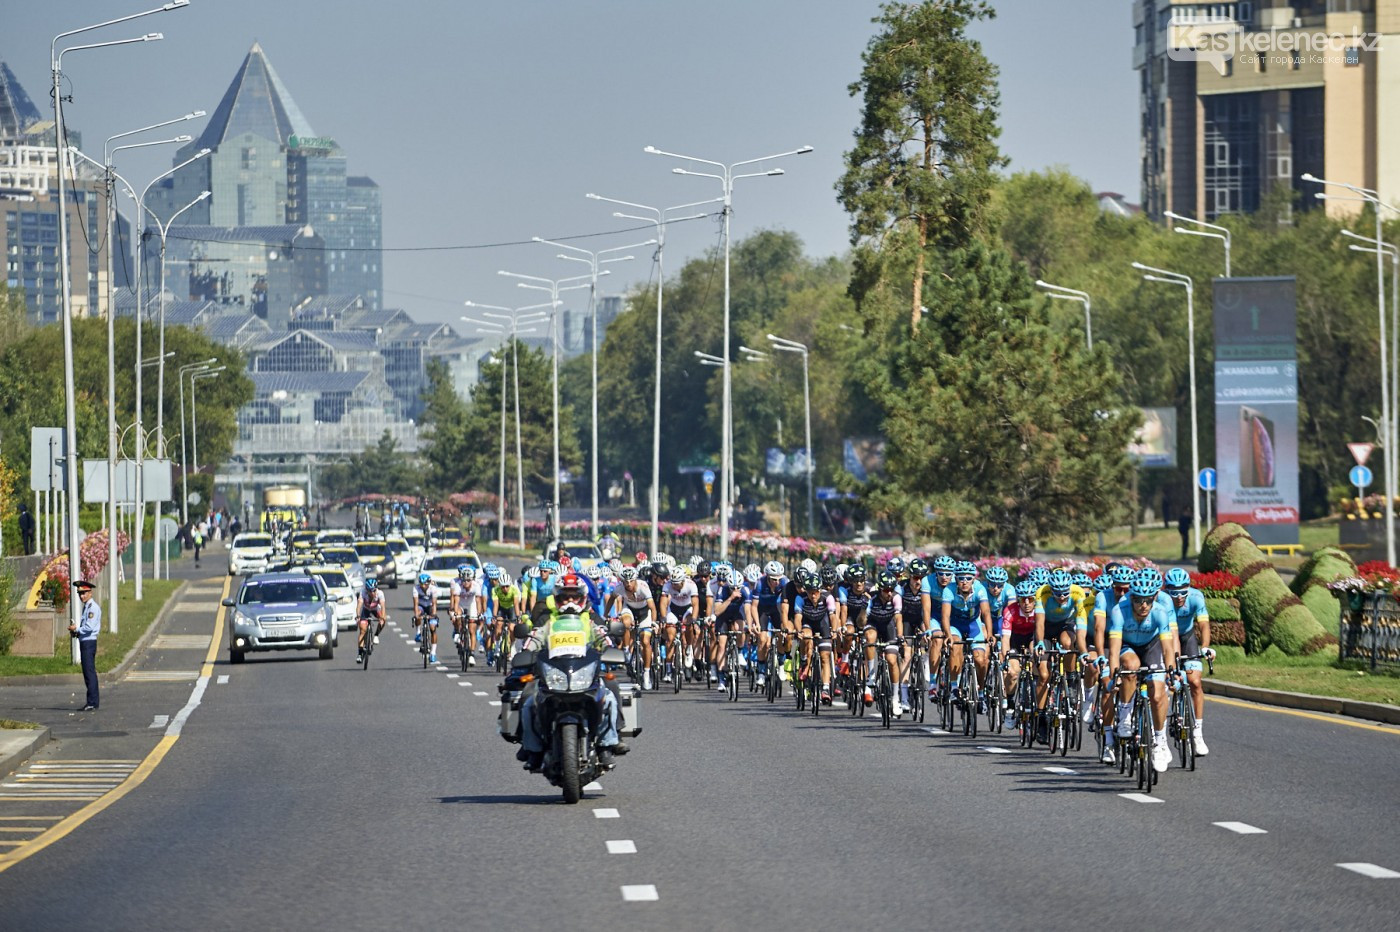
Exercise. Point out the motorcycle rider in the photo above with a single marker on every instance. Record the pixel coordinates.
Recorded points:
(571, 608)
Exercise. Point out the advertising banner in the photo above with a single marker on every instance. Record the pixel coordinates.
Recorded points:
(1154, 446)
(863, 457)
(1256, 405)
(781, 465)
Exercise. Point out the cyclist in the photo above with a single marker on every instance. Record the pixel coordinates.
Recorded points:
(1061, 616)
(967, 610)
(1141, 633)
(1018, 630)
(816, 609)
(675, 607)
(633, 601)
(881, 620)
(916, 607)
(506, 599)
(466, 602)
(598, 591)
(730, 598)
(371, 609)
(942, 578)
(999, 594)
(770, 607)
(1193, 637)
(539, 595)
(425, 613)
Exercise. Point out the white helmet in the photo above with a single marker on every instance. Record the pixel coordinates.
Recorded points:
(678, 574)
(724, 574)
(694, 561)
(627, 573)
(841, 570)
(752, 573)
(773, 569)
(809, 565)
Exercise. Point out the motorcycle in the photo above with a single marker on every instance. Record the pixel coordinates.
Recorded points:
(567, 676)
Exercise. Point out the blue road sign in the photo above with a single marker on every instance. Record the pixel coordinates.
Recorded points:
(1206, 479)
(1360, 476)
(708, 477)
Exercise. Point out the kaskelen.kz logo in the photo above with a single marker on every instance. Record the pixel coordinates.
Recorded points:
(1278, 47)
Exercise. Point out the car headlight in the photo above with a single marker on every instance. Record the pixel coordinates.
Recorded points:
(556, 679)
(582, 678)
(241, 619)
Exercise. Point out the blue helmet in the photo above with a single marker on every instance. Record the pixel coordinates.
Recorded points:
(1025, 589)
(1147, 582)
(577, 564)
(895, 566)
(1122, 575)
(996, 576)
(964, 569)
(944, 564)
(1177, 578)
(1103, 582)
(371, 584)
(1082, 580)
(1060, 582)
(424, 578)
(493, 572)
(1040, 576)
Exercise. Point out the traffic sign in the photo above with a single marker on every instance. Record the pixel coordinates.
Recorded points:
(1360, 476)
(1361, 452)
(1206, 479)
(708, 477)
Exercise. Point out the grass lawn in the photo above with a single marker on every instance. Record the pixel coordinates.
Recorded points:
(135, 618)
(13, 725)
(1319, 675)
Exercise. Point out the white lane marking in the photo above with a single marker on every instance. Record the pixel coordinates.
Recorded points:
(105, 776)
(935, 731)
(33, 796)
(622, 846)
(993, 750)
(1062, 771)
(223, 678)
(463, 683)
(1242, 828)
(1141, 798)
(160, 721)
(605, 814)
(161, 676)
(594, 787)
(196, 696)
(442, 669)
(498, 702)
(478, 693)
(86, 765)
(41, 787)
(453, 676)
(1366, 869)
(639, 893)
(181, 642)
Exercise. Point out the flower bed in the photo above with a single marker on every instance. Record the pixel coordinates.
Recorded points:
(54, 580)
(1217, 585)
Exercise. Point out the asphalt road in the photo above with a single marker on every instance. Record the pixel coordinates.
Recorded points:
(313, 794)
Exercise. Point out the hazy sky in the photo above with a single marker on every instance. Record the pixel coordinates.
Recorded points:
(487, 122)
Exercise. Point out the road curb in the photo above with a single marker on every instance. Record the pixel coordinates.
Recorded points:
(1373, 711)
(117, 672)
(11, 761)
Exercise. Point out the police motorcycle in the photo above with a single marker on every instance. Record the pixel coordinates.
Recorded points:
(567, 678)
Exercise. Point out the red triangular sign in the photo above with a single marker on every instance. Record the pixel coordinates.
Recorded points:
(1361, 452)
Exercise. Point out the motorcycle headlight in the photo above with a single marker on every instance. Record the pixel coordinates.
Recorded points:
(555, 679)
(582, 678)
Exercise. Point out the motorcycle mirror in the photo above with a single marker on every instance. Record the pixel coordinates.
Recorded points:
(614, 655)
(521, 631)
(524, 659)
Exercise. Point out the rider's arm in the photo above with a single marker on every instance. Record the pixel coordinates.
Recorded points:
(1081, 625)
(927, 601)
(984, 617)
(946, 620)
(1039, 621)
(1203, 623)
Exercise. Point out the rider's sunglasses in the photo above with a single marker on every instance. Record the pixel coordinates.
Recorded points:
(1178, 593)
(968, 578)
(1144, 599)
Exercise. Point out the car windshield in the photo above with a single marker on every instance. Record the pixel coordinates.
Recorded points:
(268, 593)
(252, 541)
(447, 562)
(372, 549)
(583, 550)
(333, 580)
(414, 538)
(343, 557)
(397, 547)
(340, 537)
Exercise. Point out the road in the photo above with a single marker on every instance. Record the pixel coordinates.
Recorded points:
(313, 794)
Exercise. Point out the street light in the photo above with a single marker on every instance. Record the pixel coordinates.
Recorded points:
(1211, 231)
(1373, 197)
(792, 346)
(658, 218)
(1184, 281)
(593, 259)
(1389, 455)
(184, 462)
(552, 286)
(65, 276)
(749, 354)
(1068, 294)
(726, 177)
(194, 416)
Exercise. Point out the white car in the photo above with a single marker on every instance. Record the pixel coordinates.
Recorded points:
(417, 548)
(249, 553)
(343, 596)
(408, 563)
(442, 567)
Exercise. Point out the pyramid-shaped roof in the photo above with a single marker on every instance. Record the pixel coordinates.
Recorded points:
(17, 111)
(256, 102)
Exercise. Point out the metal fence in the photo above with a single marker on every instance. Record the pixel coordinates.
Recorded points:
(1370, 631)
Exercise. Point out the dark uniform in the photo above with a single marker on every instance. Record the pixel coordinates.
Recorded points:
(89, 624)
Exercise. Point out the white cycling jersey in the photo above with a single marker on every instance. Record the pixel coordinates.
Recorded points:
(637, 598)
(682, 597)
(467, 596)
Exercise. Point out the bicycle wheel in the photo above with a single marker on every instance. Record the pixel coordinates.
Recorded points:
(1187, 726)
(1142, 730)
(799, 689)
(1062, 712)
(367, 649)
(884, 694)
(918, 688)
(731, 668)
(994, 693)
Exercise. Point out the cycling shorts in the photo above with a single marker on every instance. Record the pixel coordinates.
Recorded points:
(972, 634)
(1190, 644)
(822, 631)
(1149, 654)
(1053, 630)
(1022, 642)
(728, 625)
(679, 613)
(884, 630)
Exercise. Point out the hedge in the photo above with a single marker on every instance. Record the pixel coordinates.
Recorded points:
(1209, 559)
(1272, 614)
(1225, 625)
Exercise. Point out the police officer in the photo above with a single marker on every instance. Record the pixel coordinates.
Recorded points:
(89, 623)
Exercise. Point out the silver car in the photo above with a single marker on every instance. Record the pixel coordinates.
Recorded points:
(281, 611)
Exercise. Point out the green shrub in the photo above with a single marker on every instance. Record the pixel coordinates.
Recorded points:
(1209, 559)
(1221, 610)
(1324, 566)
(9, 627)
(1325, 607)
(1240, 553)
(1227, 633)
(1296, 631)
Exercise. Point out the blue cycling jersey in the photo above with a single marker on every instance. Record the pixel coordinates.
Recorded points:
(1189, 613)
(966, 614)
(997, 603)
(1160, 622)
(770, 594)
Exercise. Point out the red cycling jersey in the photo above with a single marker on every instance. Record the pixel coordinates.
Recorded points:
(1019, 621)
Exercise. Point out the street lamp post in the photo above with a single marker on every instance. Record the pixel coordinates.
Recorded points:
(792, 346)
(184, 462)
(749, 354)
(726, 177)
(1071, 294)
(194, 413)
(1184, 281)
(1210, 230)
(656, 216)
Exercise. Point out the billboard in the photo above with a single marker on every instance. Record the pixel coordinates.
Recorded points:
(1154, 444)
(863, 457)
(1256, 405)
(781, 465)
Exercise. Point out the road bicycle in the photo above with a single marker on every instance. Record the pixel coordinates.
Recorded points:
(918, 678)
(731, 666)
(1135, 751)
(425, 643)
(994, 690)
(1024, 711)
(1181, 713)
(1063, 705)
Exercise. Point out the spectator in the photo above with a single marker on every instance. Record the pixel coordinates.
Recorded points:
(1183, 525)
(26, 528)
(197, 539)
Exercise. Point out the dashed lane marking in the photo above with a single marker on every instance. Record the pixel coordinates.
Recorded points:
(605, 814)
(162, 676)
(1242, 828)
(441, 669)
(1367, 869)
(622, 846)
(495, 702)
(479, 693)
(453, 676)
(1141, 798)
(1062, 771)
(935, 731)
(594, 787)
(639, 893)
(223, 678)
(991, 750)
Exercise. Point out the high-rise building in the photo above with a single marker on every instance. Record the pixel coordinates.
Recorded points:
(1240, 98)
(268, 168)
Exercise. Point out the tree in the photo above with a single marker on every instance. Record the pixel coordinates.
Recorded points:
(923, 164)
(380, 468)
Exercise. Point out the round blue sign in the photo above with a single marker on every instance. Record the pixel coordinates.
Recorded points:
(1206, 479)
(709, 476)
(1360, 476)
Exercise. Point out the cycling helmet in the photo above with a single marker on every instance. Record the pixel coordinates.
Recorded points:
(965, 570)
(752, 574)
(660, 570)
(724, 574)
(424, 578)
(1082, 580)
(944, 564)
(773, 569)
(666, 558)
(841, 569)
(807, 579)
(505, 579)
(678, 573)
(703, 569)
(627, 573)
(828, 577)
(694, 561)
(918, 567)
(371, 584)
(594, 572)
(1040, 576)
(996, 576)
(549, 566)
(1060, 582)
(1177, 578)
(466, 571)
(855, 573)
(809, 565)
(577, 564)
(895, 566)
(1103, 583)
(1025, 589)
(1147, 582)
(493, 572)
(885, 579)
(1121, 575)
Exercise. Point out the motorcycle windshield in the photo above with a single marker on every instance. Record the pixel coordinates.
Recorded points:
(567, 637)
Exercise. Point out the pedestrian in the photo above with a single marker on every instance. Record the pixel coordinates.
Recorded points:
(1183, 525)
(89, 623)
(197, 538)
(235, 527)
(26, 528)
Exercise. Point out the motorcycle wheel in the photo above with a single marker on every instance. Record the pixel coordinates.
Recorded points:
(568, 763)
